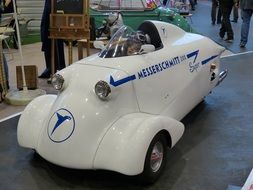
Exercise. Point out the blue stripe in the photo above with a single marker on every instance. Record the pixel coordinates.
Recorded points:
(195, 53)
(208, 59)
(121, 81)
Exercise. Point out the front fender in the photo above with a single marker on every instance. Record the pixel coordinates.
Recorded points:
(123, 148)
(32, 120)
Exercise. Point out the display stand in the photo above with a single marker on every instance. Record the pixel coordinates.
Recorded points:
(69, 20)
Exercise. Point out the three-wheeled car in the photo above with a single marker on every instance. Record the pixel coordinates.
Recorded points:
(120, 109)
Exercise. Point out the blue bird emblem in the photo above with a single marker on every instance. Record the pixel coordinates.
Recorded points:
(61, 119)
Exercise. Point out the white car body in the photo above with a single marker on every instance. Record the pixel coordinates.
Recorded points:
(150, 93)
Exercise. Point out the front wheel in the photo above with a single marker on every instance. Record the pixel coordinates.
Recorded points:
(155, 160)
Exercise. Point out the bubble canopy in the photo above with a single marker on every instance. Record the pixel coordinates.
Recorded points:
(125, 42)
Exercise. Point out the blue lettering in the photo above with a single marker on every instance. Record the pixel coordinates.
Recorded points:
(153, 69)
(167, 64)
(144, 72)
(140, 75)
(150, 69)
(174, 61)
(164, 65)
(157, 68)
(177, 60)
(161, 69)
(171, 63)
(193, 67)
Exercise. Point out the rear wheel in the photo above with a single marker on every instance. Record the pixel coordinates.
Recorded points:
(155, 160)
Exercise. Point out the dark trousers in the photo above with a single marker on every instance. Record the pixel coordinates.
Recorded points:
(235, 13)
(192, 3)
(59, 56)
(215, 6)
(226, 25)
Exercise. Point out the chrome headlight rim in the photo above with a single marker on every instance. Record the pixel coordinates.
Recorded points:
(57, 82)
(102, 90)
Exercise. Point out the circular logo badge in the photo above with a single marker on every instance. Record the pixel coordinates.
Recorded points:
(61, 126)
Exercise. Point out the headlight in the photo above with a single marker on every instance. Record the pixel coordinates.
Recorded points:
(102, 89)
(57, 81)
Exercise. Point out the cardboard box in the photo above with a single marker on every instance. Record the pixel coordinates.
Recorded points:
(31, 76)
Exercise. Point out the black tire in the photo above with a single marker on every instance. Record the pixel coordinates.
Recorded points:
(153, 169)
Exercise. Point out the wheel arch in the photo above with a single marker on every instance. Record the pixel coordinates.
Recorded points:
(32, 120)
(124, 147)
(167, 136)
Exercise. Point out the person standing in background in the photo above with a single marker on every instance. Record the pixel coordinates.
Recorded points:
(46, 44)
(215, 6)
(165, 2)
(192, 3)
(246, 13)
(226, 28)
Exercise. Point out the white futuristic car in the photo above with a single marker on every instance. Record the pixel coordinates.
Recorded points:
(120, 109)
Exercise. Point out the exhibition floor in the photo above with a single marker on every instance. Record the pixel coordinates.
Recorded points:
(214, 152)
(201, 22)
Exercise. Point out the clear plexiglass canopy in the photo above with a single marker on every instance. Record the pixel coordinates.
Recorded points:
(125, 42)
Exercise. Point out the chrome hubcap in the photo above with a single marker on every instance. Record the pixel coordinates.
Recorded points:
(156, 157)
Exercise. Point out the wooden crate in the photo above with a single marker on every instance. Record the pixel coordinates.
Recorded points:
(31, 75)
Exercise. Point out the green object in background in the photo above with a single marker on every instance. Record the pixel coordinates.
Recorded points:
(134, 16)
(27, 39)
(30, 38)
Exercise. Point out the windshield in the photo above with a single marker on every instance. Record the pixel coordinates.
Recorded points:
(124, 4)
(125, 42)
